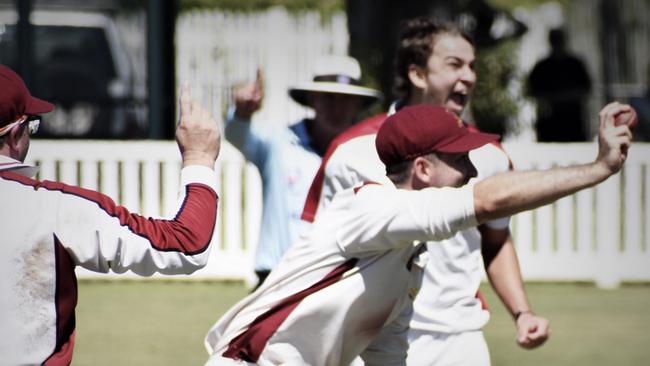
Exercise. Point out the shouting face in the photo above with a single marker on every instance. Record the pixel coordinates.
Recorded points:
(449, 77)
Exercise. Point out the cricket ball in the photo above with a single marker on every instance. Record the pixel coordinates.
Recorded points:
(626, 117)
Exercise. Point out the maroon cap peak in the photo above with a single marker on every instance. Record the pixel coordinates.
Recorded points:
(15, 99)
(423, 129)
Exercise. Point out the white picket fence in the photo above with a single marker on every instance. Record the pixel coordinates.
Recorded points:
(219, 49)
(144, 177)
(600, 234)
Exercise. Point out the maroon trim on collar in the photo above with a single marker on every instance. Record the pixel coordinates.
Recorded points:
(369, 126)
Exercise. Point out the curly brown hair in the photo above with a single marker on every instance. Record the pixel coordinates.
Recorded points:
(416, 42)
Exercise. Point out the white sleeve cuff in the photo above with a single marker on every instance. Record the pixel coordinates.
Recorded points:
(499, 224)
(199, 174)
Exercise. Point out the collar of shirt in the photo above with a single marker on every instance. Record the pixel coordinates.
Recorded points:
(7, 163)
(396, 106)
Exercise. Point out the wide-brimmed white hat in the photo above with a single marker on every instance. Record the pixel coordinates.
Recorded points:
(335, 74)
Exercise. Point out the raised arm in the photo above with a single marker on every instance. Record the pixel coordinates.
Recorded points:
(102, 236)
(251, 142)
(509, 193)
(249, 97)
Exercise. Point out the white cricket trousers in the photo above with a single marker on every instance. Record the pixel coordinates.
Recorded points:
(443, 349)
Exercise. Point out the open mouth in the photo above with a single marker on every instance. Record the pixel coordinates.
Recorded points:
(458, 98)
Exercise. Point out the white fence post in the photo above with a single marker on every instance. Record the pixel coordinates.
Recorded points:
(597, 233)
(608, 232)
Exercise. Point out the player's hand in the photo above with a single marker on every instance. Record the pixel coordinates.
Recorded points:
(613, 141)
(532, 330)
(249, 97)
(198, 135)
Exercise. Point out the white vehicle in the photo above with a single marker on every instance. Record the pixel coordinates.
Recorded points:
(81, 65)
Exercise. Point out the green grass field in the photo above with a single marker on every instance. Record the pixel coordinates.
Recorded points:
(163, 323)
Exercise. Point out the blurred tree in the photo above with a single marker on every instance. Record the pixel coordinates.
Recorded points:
(493, 106)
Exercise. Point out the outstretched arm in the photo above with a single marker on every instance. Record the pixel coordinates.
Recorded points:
(102, 236)
(509, 193)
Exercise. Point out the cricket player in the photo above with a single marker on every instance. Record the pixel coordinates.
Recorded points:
(346, 288)
(49, 228)
(435, 65)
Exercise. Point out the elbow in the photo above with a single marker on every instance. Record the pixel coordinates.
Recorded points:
(194, 264)
(487, 207)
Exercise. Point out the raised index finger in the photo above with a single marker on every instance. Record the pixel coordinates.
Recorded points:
(259, 79)
(185, 100)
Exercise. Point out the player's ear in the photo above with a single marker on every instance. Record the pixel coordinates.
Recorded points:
(12, 139)
(422, 171)
(14, 144)
(417, 76)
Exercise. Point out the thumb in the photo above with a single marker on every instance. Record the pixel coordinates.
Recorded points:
(524, 330)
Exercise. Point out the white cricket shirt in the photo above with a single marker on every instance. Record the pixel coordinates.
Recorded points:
(49, 228)
(346, 288)
(448, 299)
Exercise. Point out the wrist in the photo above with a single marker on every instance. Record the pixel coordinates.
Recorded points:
(199, 159)
(242, 115)
(601, 170)
(519, 313)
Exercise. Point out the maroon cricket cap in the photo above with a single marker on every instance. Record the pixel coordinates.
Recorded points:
(422, 129)
(15, 99)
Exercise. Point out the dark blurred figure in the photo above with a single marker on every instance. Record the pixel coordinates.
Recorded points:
(641, 104)
(560, 84)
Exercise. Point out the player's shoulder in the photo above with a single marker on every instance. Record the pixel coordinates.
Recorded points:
(368, 126)
(491, 157)
(355, 158)
(365, 184)
(494, 145)
(356, 143)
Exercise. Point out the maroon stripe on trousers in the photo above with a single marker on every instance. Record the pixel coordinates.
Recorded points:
(249, 345)
(65, 300)
(189, 233)
(368, 126)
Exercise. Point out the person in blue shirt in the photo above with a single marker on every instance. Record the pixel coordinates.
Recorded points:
(288, 158)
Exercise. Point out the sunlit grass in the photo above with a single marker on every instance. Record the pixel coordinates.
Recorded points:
(163, 323)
